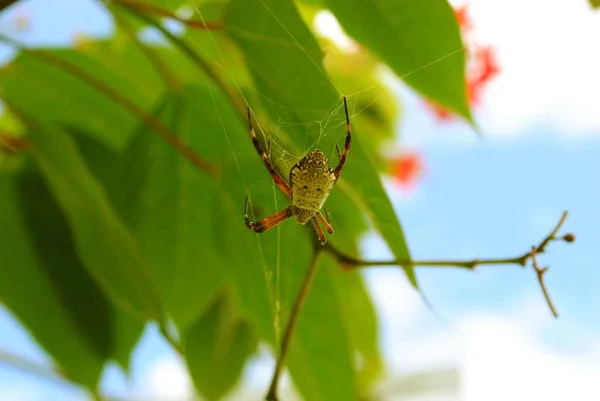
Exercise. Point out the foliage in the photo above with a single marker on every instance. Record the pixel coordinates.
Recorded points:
(126, 206)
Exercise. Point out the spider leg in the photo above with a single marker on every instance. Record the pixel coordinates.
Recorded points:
(325, 222)
(268, 222)
(266, 159)
(320, 234)
(344, 156)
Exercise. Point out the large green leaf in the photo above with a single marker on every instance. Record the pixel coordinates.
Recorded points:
(216, 348)
(321, 357)
(285, 61)
(360, 321)
(34, 81)
(104, 244)
(419, 40)
(29, 289)
(168, 203)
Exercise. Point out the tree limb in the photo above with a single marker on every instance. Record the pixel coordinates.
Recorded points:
(351, 262)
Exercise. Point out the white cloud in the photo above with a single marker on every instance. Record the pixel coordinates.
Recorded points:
(502, 362)
(168, 379)
(550, 63)
(499, 356)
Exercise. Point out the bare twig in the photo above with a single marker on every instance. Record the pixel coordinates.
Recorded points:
(291, 325)
(351, 262)
(148, 119)
(540, 276)
(152, 9)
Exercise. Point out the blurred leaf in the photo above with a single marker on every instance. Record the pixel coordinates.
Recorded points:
(595, 3)
(360, 321)
(168, 203)
(321, 360)
(53, 244)
(57, 96)
(29, 289)
(104, 165)
(420, 41)
(217, 346)
(6, 3)
(106, 247)
(288, 72)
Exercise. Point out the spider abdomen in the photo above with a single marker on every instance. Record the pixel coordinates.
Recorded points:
(311, 182)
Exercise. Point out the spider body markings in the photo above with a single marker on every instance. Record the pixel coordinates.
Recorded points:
(311, 181)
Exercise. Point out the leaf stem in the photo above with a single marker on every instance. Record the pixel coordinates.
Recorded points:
(200, 63)
(521, 260)
(149, 120)
(149, 8)
(291, 324)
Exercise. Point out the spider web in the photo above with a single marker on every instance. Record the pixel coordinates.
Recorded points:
(329, 135)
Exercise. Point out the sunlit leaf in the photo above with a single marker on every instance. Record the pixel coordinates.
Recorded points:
(420, 41)
(106, 247)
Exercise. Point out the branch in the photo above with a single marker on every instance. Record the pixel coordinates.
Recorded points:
(148, 119)
(351, 262)
(149, 8)
(540, 276)
(291, 325)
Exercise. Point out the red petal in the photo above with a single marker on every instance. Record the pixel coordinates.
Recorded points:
(407, 168)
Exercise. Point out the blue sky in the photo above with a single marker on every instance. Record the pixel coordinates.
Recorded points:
(490, 197)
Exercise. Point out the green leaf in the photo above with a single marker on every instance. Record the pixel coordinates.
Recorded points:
(360, 321)
(41, 298)
(59, 97)
(216, 347)
(420, 41)
(321, 360)
(53, 244)
(169, 204)
(110, 332)
(104, 165)
(31, 82)
(106, 247)
(595, 3)
(287, 71)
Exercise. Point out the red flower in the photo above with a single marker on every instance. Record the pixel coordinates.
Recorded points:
(406, 168)
(482, 67)
(462, 17)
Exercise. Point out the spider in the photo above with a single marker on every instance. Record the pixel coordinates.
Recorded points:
(311, 181)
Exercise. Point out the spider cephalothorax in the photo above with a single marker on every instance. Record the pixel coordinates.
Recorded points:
(311, 182)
